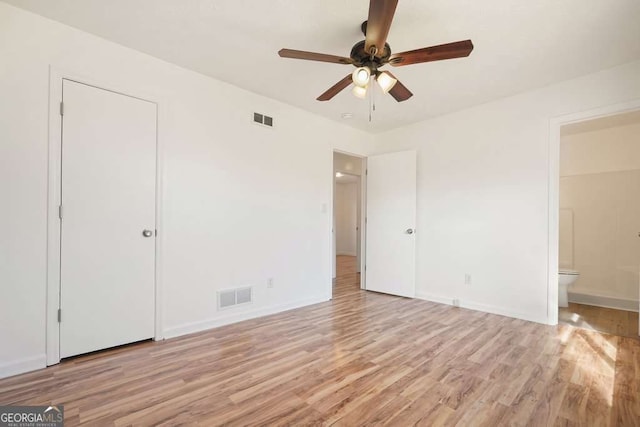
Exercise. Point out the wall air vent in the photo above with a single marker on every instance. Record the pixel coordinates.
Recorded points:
(263, 120)
(233, 297)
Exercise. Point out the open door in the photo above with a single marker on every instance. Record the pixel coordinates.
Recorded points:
(391, 219)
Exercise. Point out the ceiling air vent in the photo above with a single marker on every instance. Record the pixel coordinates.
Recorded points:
(233, 297)
(263, 120)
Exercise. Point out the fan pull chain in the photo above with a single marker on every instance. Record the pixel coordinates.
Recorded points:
(370, 102)
(373, 96)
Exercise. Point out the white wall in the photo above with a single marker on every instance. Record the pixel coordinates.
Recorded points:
(346, 209)
(600, 184)
(483, 192)
(241, 203)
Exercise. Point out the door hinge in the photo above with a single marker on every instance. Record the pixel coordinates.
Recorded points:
(59, 315)
(61, 108)
(156, 230)
(60, 211)
(366, 171)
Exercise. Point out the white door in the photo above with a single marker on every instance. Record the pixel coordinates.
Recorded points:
(107, 283)
(391, 218)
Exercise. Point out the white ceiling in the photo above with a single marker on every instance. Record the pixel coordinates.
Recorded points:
(519, 45)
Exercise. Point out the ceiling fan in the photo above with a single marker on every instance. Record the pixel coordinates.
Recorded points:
(369, 55)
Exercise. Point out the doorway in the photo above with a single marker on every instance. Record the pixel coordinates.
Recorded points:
(347, 236)
(385, 220)
(104, 170)
(598, 244)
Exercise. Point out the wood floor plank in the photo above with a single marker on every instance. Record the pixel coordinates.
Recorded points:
(361, 359)
(607, 320)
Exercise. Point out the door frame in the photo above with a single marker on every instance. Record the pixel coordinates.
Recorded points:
(555, 125)
(56, 77)
(363, 213)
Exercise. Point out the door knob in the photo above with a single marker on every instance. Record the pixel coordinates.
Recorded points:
(409, 231)
(147, 233)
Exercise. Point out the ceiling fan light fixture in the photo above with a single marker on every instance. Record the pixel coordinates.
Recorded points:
(385, 81)
(359, 92)
(361, 76)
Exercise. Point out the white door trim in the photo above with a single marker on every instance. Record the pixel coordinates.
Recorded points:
(56, 76)
(555, 124)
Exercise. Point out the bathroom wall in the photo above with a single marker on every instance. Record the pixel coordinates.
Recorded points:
(599, 190)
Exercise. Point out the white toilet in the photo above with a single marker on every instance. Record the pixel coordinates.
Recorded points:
(565, 278)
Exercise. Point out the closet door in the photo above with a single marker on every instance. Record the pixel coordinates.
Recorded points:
(107, 278)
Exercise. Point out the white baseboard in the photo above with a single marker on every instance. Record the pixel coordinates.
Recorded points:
(227, 319)
(485, 308)
(21, 366)
(604, 301)
(346, 253)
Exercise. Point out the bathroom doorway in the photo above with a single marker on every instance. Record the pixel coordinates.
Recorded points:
(599, 224)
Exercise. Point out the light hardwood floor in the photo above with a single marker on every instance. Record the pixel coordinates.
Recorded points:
(361, 359)
(608, 320)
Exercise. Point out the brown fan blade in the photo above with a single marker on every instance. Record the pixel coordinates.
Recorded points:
(399, 91)
(312, 56)
(433, 53)
(378, 24)
(335, 89)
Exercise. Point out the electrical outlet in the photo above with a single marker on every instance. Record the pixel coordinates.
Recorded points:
(456, 302)
(467, 279)
(270, 282)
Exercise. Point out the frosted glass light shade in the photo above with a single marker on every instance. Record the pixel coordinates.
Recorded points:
(359, 91)
(385, 81)
(361, 76)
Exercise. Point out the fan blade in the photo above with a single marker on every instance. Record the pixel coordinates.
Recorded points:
(378, 24)
(399, 91)
(335, 89)
(312, 56)
(433, 53)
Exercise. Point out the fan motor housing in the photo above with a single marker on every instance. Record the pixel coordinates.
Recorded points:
(361, 57)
